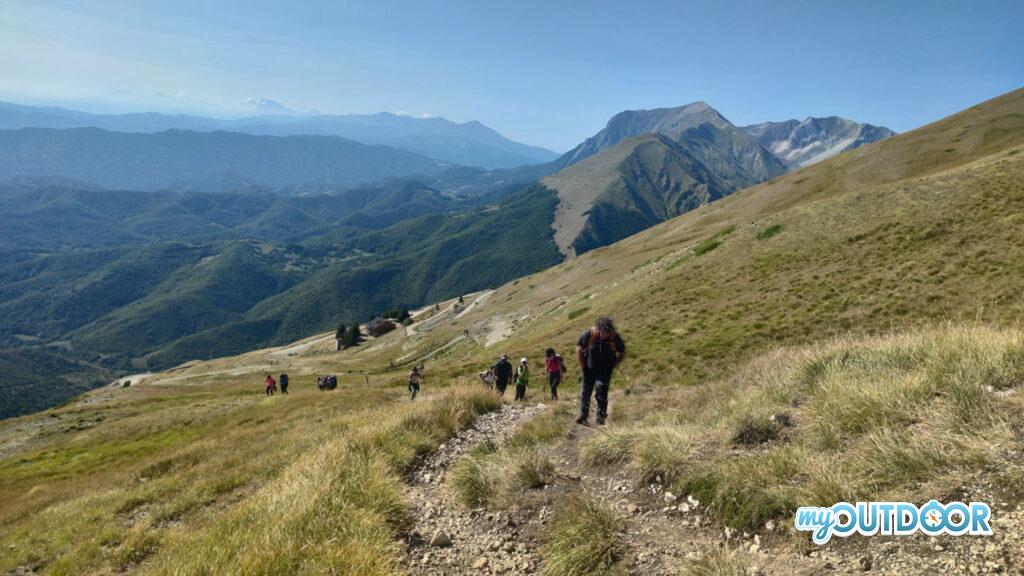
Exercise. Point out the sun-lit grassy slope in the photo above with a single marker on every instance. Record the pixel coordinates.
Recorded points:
(899, 417)
(920, 228)
(193, 471)
(216, 479)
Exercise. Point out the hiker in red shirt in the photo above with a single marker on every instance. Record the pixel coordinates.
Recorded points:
(271, 385)
(555, 367)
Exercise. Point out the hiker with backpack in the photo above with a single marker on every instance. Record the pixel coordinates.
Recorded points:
(522, 379)
(502, 374)
(283, 381)
(415, 379)
(555, 367)
(599, 351)
(271, 385)
(487, 377)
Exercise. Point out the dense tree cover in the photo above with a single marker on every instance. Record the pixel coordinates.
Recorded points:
(349, 335)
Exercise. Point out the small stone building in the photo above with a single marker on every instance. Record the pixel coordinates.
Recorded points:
(380, 326)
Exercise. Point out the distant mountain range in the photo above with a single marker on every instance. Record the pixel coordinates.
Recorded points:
(468, 144)
(212, 161)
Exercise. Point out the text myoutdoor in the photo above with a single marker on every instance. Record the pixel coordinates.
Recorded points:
(894, 518)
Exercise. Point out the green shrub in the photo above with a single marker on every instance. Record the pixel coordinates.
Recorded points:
(577, 313)
(769, 231)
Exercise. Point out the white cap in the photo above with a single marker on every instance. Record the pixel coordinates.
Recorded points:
(523, 361)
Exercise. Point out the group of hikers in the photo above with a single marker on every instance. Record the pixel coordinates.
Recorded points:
(272, 384)
(599, 350)
(329, 382)
(501, 374)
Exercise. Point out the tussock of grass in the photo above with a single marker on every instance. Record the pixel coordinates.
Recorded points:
(472, 479)
(769, 231)
(753, 430)
(713, 241)
(583, 539)
(718, 563)
(495, 478)
(534, 470)
(652, 450)
(542, 429)
(490, 476)
(136, 547)
(578, 312)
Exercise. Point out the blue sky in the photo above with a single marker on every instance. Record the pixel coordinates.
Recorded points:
(547, 73)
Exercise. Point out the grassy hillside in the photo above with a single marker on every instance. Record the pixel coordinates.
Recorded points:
(869, 302)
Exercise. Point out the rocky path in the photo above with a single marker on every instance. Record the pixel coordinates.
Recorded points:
(662, 531)
(447, 537)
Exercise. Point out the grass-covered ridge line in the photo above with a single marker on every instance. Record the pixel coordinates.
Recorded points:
(848, 420)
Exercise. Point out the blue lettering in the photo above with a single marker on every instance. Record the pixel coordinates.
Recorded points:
(885, 514)
(842, 529)
(959, 510)
(980, 513)
(906, 519)
(867, 519)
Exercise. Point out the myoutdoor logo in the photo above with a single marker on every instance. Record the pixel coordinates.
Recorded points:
(894, 519)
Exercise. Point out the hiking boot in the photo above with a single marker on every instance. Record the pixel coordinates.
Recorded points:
(600, 421)
(582, 420)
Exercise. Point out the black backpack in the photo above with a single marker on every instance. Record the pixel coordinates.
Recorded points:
(601, 353)
(283, 380)
(503, 370)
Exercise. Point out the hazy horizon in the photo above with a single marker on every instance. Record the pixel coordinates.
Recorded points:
(546, 74)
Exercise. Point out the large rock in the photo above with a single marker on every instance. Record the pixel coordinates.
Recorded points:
(441, 539)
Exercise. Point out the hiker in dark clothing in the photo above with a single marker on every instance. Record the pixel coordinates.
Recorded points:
(502, 374)
(271, 385)
(522, 379)
(415, 379)
(599, 351)
(283, 381)
(555, 366)
(332, 382)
